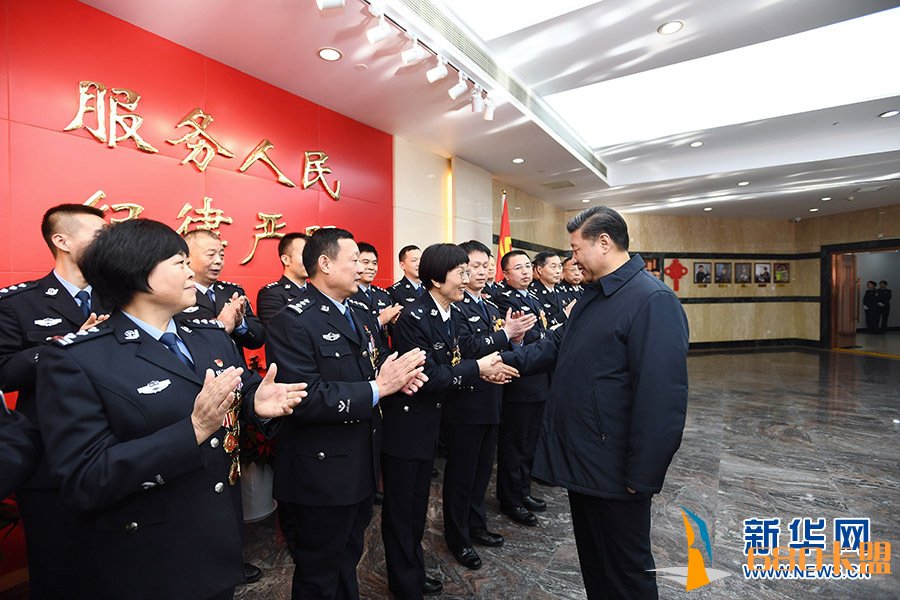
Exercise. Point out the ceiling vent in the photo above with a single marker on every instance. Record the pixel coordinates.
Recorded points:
(558, 185)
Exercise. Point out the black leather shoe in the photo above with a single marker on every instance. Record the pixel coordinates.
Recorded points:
(483, 537)
(468, 558)
(521, 515)
(252, 573)
(432, 586)
(534, 504)
(378, 499)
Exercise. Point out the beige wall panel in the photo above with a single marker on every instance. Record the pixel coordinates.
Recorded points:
(531, 219)
(414, 227)
(859, 226)
(753, 321)
(419, 178)
(465, 230)
(472, 192)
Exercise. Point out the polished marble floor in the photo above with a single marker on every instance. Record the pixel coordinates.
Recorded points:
(769, 434)
(879, 343)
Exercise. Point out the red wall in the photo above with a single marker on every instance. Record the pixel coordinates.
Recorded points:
(48, 47)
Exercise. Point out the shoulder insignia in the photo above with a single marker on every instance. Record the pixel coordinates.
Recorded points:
(486, 301)
(297, 308)
(416, 314)
(358, 304)
(81, 336)
(208, 323)
(273, 284)
(18, 287)
(453, 307)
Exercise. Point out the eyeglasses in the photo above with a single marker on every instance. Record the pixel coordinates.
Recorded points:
(520, 268)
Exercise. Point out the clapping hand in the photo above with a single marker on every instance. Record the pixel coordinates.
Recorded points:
(276, 399)
(213, 401)
(516, 324)
(402, 373)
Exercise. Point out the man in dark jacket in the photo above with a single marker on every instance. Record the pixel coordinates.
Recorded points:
(617, 407)
(870, 306)
(883, 295)
(274, 296)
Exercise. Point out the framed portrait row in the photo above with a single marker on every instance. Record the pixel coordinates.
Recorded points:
(741, 272)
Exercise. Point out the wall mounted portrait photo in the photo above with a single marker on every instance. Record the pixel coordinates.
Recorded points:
(782, 272)
(702, 272)
(723, 273)
(762, 273)
(743, 273)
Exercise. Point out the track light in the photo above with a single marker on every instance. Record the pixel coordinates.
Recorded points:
(460, 88)
(327, 4)
(379, 32)
(488, 109)
(477, 99)
(414, 53)
(437, 73)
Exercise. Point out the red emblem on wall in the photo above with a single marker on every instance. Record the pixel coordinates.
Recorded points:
(676, 271)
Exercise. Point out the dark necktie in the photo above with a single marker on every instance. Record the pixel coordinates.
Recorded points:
(368, 294)
(211, 295)
(170, 341)
(484, 311)
(419, 290)
(85, 299)
(349, 316)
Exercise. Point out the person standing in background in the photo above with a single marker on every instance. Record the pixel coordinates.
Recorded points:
(884, 305)
(871, 308)
(276, 295)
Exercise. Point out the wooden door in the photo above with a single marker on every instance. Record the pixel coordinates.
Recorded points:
(844, 300)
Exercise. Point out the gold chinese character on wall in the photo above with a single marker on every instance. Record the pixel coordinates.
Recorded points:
(92, 99)
(202, 145)
(209, 218)
(315, 170)
(260, 154)
(134, 210)
(269, 226)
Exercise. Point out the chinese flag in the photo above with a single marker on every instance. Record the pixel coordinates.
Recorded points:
(504, 244)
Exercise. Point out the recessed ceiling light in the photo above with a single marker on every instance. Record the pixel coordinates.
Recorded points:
(330, 54)
(361, 67)
(696, 144)
(518, 161)
(826, 198)
(707, 209)
(743, 183)
(586, 200)
(328, 4)
(890, 113)
(814, 210)
(670, 27)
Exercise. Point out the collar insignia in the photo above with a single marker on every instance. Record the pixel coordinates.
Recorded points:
(51, 292)
(132, 334)
(324, 308)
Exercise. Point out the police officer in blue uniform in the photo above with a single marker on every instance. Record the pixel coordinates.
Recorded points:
(325, 454)
(221, 300)
(376, 300)
(32, 314)
(141, 420)
(548, 274)
(471, 417)
(274, 296)
(411, 425)
(405, 291)
(523, 401)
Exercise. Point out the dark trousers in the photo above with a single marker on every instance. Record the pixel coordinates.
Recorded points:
(328, 544)
(873, 316)
(883, 315)
(613, 540)
(54, 570)
(407, 483)
(520, 424)
(470, 459)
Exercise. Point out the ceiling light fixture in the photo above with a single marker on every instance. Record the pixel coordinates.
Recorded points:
(586, 200)
(707, 209)
(889, 114)
(696, 144)
(743, 183)
(437, 73)
(826, 198)
(460, 88)
(330, 54)
(814, 210)
(489, 109)
(477, 99)
(518, 161)
(414, 53)
(329, 4)
(378, 33)
(670, 27)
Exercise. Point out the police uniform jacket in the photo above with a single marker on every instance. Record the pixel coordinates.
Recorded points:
(551, 302)
(160, 517)
(405, 293)
(32, 314)
(617, 407)
(477, 404)
(883, 298)
(374, 302)
(568, 292)
(274, 296)
(19, 449)
(535, 387)
(412, 423)
(255, 335)
(326, 450)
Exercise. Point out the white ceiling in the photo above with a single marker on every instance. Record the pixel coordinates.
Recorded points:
(570, 47)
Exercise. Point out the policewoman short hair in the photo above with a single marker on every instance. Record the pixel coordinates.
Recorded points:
(438, 260)
(122, 256)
